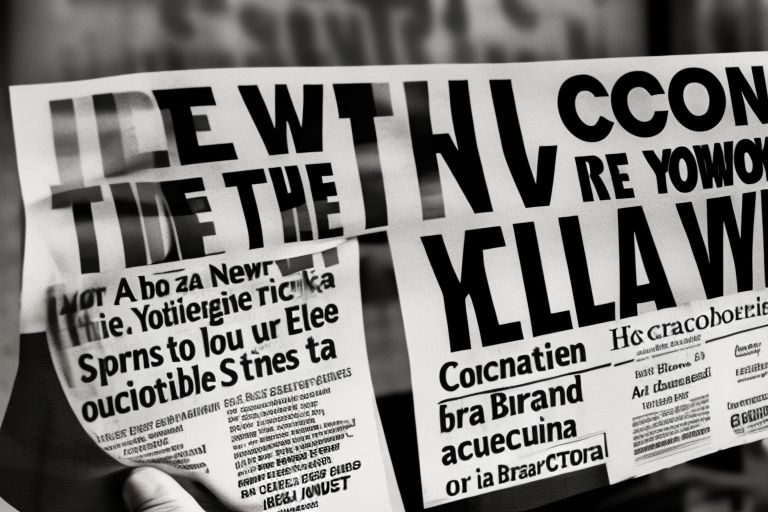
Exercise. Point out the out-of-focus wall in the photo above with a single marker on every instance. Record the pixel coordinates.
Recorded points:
(72, 39)
(709, 26)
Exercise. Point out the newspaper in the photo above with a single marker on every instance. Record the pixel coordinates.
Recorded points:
(608, 189)
(191, 257)
(243, 369)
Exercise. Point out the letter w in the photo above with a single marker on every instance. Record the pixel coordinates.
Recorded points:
(307, 133)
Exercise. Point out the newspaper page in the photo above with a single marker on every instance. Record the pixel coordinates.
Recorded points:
(600, 191)
(191, 257)
(692, 379)
(179, 340)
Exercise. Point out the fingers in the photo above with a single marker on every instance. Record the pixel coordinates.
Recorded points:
(151, 490)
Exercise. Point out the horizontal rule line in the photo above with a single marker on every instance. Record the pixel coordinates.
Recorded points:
(168, 272)
(659, 354)
(598, 367)
(737, 333)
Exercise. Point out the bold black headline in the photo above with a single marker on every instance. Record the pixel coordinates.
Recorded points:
(601, 177)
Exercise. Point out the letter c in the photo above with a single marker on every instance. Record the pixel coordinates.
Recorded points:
(443, 380)
(552, 462)
(620, 104)
(566, 105)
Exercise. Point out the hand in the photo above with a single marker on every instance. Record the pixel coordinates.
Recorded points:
(151, 490)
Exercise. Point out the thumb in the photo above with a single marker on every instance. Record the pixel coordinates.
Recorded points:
(151, 490)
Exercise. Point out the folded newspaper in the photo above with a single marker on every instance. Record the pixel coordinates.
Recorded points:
(579, 249)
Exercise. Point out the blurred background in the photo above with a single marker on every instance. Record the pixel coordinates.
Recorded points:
(57, 40)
